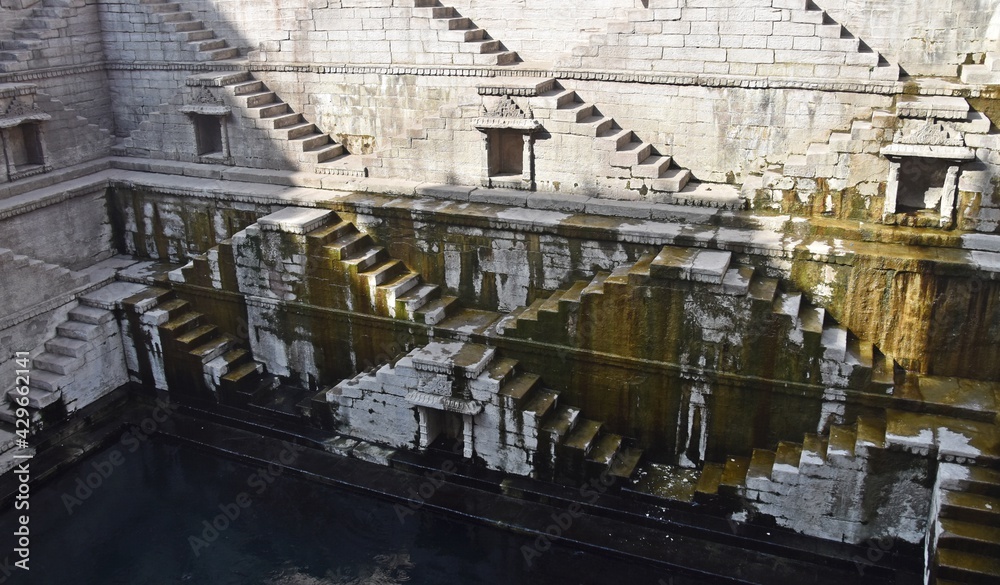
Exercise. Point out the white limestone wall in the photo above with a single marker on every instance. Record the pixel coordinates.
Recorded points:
(926, 37)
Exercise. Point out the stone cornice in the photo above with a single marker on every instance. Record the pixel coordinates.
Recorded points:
(847, 86)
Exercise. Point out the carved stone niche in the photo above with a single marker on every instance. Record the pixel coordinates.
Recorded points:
(924, 164)
(208, 119)
(23, 140)
(508, 145)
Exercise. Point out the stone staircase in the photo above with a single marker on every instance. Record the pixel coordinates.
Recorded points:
(461, 40)
(190, 356)
(832, 160)
(81, 363)
(517, 425)
(28, 281)
(343, 268)
(183, 24)
(29, 35)
(630, 157)
(967, 528)
(822, 47)
(312, 147)
(985, 73)
(782, 317)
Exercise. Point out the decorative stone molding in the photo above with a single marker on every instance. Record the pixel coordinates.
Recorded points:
(18, 113)
(205, 103)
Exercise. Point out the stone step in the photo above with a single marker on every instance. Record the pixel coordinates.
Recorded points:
(79, 330)
(181, 323)
(455, 23)
(651, 168)
(462, 35)
(519, 389)
(787, 304)
(573, 294)
(295, 131)
(176, 16)
(384, 272)
(596, 286)
(360, 260)
(398, 287)
(207, 44)
(91, 315)
(67, 346)
(350, 244)
(672, 180)
(480, 46)
(200, 335)
(786, 460)
(556, 98)
(269, 111)
(870, 433)
(259, 99)
(814, 449)
(560, 422)
(189, 36)
(763, 289)
(243, 88)
(737, 280)
(630, 154)
(967, 567)
(437, 310)
(976, 480)
(573, 112)
(760, 468)
(37, 398)
(842, 441)
(625, 463)
(435, 12)
(811, 318)
(591, 126)
(614, 138)
(734, 474)
(860, 352)
(213, 348)
(969, 537)
(969, 507)
(583, 436)
(310, 142)
(323, 153)
(695, 264)
(551, 304)
(57, 363)
(538, 406)
(184, 26)
(708, 482)
(834, 340)
(417, 297)
(604, 449)
(174, 307)
(498, 58)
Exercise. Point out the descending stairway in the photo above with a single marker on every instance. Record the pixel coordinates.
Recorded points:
(28, 281)
(968, 525)
(195, 358)
(465, 43)
(31, 33)
(314, 148)
(344, 269)
(631, 158)
(78, 365)
(518, 425)
(201, 40)
(822, 47)
(558, 318)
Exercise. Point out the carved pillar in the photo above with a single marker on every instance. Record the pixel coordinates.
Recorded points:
(528, 162)
(8, 152)
(948, 192)
(485, 181)
(467, 431)
(891, 189)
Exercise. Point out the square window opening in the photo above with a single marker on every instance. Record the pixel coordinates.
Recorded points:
(208, 134)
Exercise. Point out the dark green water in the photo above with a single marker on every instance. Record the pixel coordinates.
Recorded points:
(136, 528)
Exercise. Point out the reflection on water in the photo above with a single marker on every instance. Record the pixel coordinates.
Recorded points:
(168, 514)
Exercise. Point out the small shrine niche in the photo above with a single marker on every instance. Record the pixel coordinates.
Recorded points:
(508, 145)
(23, 140)
(925, 160)
(208, 118)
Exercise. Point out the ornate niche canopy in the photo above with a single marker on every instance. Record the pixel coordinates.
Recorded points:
(508, 145)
